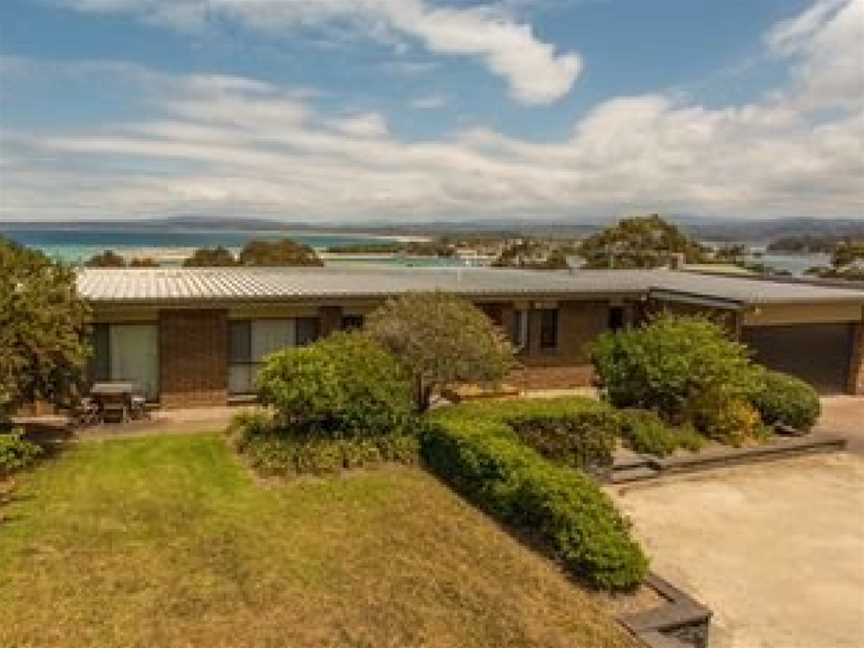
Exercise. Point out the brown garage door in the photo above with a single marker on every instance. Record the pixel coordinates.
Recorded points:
(818, 353)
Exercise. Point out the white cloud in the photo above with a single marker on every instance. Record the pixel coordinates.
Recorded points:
(535, 71)
(226, 145)
(429, 102)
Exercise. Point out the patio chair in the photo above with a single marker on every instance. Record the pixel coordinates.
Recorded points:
(85, 413)
(138, 406)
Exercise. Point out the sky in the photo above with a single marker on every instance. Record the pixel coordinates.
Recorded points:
(415, 110)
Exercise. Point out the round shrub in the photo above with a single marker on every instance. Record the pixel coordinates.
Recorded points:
(733, 422)
(343, 386)
(644, 431)
(16, 453)
(670, 363)
(787, 400)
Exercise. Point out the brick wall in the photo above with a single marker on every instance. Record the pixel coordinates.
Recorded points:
(193, 354)
(564, 377)
(856, 366)
(579, 323)
(331, 319)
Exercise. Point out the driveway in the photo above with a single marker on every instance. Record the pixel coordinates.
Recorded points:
(775, 549)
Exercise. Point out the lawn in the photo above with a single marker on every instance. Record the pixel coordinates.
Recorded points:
(170, 541)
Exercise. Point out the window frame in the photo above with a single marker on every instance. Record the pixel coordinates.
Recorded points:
(545, 343)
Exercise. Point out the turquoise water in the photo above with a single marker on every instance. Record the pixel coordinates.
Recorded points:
(171, 247)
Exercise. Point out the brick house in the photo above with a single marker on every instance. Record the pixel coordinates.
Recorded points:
(196, 336)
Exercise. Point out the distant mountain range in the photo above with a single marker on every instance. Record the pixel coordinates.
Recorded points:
(702, 228)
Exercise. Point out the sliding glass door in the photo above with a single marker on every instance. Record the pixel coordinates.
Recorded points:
(133, 356)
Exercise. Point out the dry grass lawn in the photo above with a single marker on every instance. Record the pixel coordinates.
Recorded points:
(169, 541)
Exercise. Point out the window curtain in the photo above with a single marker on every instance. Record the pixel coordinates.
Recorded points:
(134, 353)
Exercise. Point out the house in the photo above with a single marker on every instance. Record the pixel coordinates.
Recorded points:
(196, 336)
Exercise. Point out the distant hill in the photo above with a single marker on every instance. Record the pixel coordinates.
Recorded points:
(762, 231)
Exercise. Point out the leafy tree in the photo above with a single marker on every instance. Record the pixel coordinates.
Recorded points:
(211, 257)
(532, 255)
(442, 340)
(42, 329)
(640, 242)
(106, 259)
(847, 262)
(143, 262)
(278, 253)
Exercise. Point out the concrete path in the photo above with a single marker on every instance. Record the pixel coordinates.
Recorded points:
(775, 549)
(844, 415)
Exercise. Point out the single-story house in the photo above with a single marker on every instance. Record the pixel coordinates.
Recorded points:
(196, 336)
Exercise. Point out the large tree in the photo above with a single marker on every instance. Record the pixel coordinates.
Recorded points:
(639, 242)
(278, 253)
(43, 346)
(210, 257)
(442, 340)
(531, 255)
(106, 259)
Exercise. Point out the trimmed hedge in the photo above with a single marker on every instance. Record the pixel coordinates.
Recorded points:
(645, 432)
(272, 451)
(788, 400)
(16, 453)
(474, 448)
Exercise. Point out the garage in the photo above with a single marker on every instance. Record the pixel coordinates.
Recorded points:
(817, 353)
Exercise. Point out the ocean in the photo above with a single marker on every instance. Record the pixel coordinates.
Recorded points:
(169, 247)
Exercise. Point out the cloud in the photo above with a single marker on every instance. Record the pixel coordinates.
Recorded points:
(228, 146)
(429, 102)
(535, 72)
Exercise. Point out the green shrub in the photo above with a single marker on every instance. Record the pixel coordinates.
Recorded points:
(16, 453)
(733, 423)
(343, 386)
(645, 432)
(248, 424)
(286, 456)
(582, 439)
(473, 448)
(785, 399)
(684, 368)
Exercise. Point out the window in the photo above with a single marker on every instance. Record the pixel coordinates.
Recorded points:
(352, 322)
(308, 330)
(519, 334)
(249, 341)
(616, 318)
(126, 352)
(549, 328)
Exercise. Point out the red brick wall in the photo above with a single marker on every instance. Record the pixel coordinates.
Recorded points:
(856, 367)
(193, 358)
(331, 319)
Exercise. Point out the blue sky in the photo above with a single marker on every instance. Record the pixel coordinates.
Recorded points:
(355, 109)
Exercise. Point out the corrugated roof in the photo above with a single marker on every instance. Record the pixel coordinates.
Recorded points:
(161, 285)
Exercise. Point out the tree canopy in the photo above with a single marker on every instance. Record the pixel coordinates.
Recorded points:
(639, 242)
(106, 259)
(42, 329)
(442, 340)
(278, 253)
(211, 257)
(532, 255)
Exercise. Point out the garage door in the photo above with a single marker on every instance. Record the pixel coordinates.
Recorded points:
(818, 353)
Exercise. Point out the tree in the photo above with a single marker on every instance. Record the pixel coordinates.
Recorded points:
(211, 257)
(42, 330)
(442, 340)
(847, 262)
(107, 259)
(278, 253)
(143, 262)
(531, 255)
(640, 242)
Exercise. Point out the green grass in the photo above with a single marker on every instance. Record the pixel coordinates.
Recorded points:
(169, 541)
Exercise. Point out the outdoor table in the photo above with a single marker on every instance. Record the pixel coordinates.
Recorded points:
(114, 398)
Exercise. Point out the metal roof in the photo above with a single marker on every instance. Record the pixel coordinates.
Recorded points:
(178, 285)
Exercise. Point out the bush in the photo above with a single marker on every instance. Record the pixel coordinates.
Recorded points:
(481, 456)
(343, 386)
(645, 432)
(733, 422)
(16, 453)
(685, 368)
(279, 455)
(785, 399)
(580, 438)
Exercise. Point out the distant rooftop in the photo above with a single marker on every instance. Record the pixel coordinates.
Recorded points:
(164, 285)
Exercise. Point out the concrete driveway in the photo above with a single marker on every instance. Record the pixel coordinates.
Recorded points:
(775, 549)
